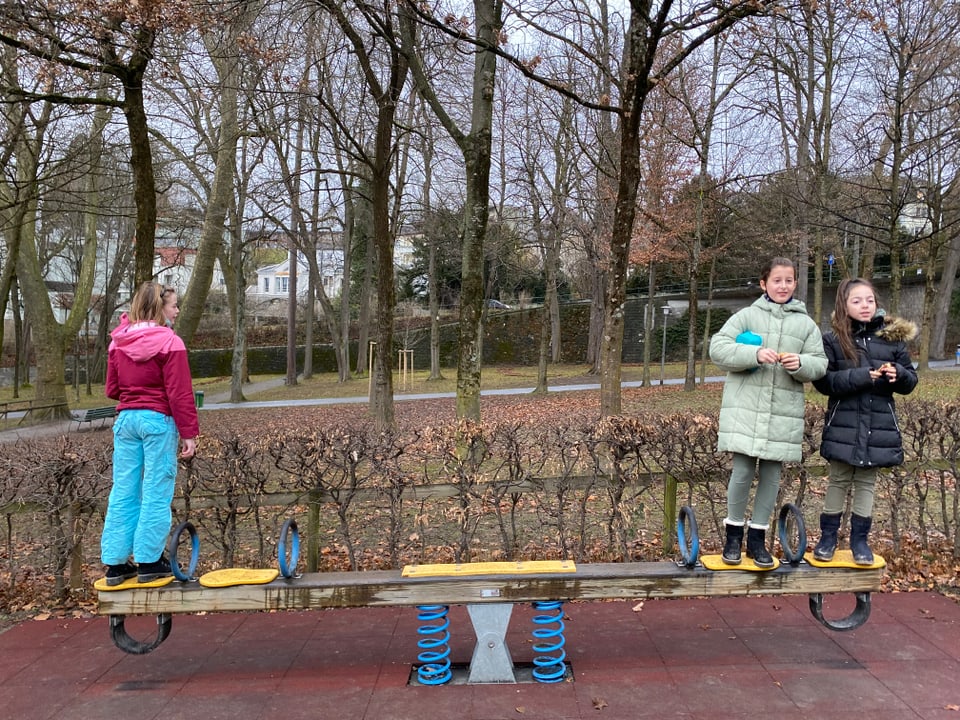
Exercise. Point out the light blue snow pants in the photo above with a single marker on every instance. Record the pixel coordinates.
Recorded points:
(144, 474)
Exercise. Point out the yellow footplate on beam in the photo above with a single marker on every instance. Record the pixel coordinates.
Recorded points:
(228, 577)
(844, 559)
(131, 584)
(526, 567)
(715, 562)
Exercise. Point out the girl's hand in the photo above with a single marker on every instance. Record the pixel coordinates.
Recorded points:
(188, 448)
(766, 356)
(790, 361)
(888, 370)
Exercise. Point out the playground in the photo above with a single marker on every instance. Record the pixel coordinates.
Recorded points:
(723, 657)
(709, 650)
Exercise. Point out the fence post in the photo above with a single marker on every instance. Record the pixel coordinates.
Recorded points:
(313, 531)
(76, 546)
(669, 513)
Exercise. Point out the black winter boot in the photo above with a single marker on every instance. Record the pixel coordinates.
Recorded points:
(859, 529)
(757, 547)
(731, 548)
(117, 574)
(829, 526)
(148, 572)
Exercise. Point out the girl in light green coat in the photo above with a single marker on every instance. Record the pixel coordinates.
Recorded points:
(768, 350)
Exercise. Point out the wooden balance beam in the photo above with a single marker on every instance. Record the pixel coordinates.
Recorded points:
(489, 590)
(593, 581)
(489, 597)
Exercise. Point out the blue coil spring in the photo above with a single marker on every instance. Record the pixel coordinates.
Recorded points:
(434, 659)
(549, 668)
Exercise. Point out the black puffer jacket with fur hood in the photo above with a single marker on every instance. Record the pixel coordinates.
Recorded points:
(861, 427)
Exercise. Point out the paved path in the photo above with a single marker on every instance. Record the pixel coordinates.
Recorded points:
(220, 401)
(710, 659)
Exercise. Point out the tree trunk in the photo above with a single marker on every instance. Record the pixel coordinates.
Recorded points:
(291, 377)
(649, 322)
(238, 361)
(51, 338)
(635, 74)
(343, 345)
(381, 401)
(141, 159)
(477, 149)
(934, 244)
(705, 348)
(941, 313)
(365, 237)
(221, 193)
(433, 283)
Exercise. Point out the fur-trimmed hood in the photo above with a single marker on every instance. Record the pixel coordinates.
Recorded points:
(886, 327)
(897, 329)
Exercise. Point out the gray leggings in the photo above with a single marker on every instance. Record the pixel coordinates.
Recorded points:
(842, 478)
(738, 491)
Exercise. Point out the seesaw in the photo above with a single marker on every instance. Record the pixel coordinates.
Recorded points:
(489, 591)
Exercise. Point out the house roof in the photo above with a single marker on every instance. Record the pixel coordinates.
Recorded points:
(173, 256)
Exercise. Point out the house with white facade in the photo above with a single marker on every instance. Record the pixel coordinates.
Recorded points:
(274, 280)
(268, 295)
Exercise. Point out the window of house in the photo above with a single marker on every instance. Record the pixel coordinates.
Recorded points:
(284, 283)
(266, 284)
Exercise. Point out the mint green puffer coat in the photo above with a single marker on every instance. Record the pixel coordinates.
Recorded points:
(761, 414)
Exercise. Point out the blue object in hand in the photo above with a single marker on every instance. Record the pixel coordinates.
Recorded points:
(750, 338)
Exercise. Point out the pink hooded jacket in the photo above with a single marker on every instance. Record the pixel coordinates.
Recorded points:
(147, 369)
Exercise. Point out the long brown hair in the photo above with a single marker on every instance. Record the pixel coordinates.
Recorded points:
(147, 303)
(840, 321)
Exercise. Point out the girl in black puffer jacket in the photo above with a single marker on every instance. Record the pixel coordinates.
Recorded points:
(867, 363)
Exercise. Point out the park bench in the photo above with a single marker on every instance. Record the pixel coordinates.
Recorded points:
(88, 416)
(488, 590)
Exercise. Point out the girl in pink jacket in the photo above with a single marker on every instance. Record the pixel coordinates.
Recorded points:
(148, 373)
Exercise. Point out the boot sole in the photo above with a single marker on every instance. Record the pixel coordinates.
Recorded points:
(153, 576)
(114, 581)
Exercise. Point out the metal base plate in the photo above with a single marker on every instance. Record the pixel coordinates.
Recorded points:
(523, 672)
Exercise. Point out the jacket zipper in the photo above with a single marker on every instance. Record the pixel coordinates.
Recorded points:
(893, 414)
(832, 414)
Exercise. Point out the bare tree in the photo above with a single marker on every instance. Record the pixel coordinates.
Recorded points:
(385, 72)
(475, 144)
(645, 62)
(911, 45)
(111, 40)
(33, 173)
